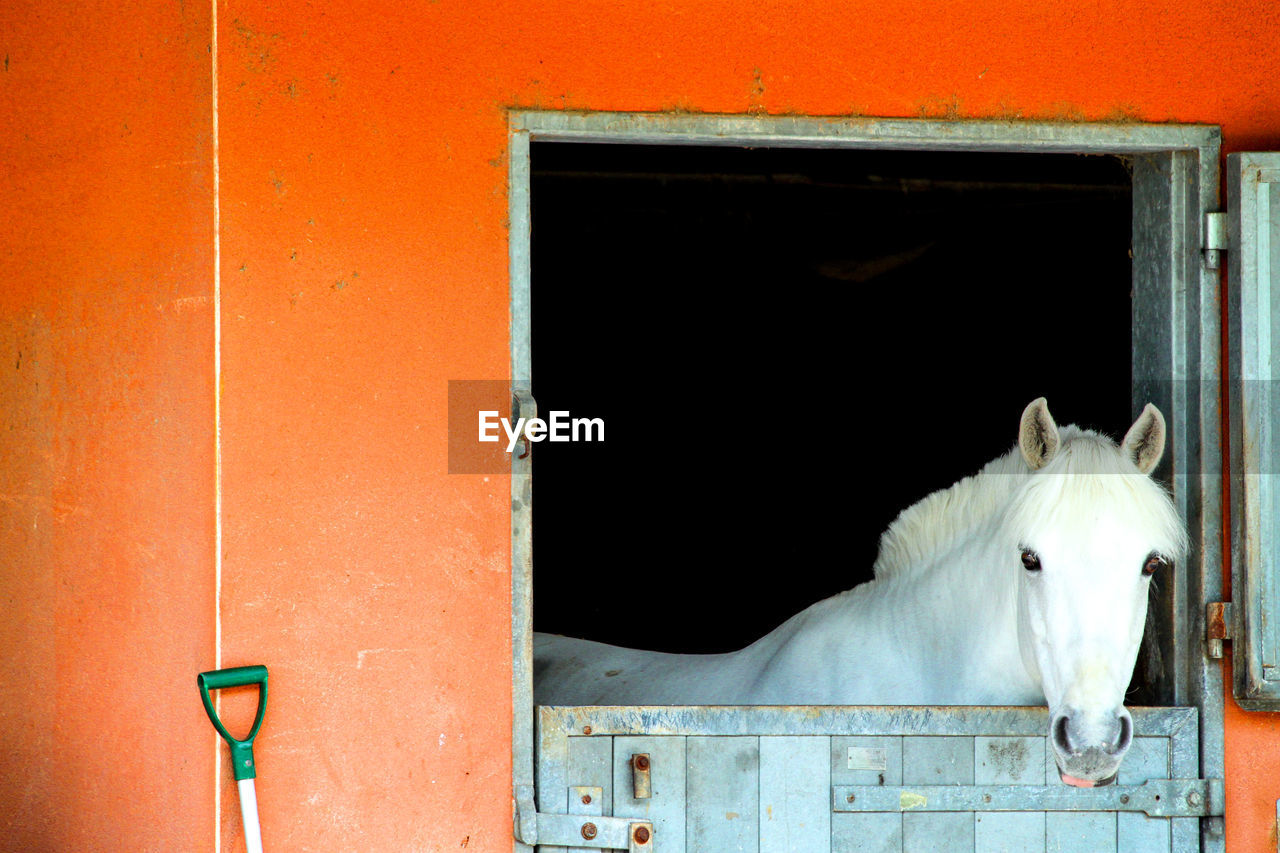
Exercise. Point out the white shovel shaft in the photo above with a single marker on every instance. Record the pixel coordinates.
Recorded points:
(249, 813)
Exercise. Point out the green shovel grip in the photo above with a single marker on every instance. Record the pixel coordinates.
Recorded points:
(241, 750)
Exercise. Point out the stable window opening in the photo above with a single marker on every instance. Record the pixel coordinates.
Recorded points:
(794, 329)
(763, 332)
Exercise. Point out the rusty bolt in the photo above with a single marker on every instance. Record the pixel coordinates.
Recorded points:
(641, 835)
(1193, 799)
(586, 730)
(1124, 798)
(850, 799)
(588, 831)
(642, 762)
(586, 799)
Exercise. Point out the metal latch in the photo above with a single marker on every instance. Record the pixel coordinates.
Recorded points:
(640, 787)
(594, 831)
(1155, 797)
(1215, 239)
(1217, 626)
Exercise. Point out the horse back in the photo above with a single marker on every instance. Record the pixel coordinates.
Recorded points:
(569, 671)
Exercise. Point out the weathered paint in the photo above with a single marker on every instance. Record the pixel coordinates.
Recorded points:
(364, 265)
(106, 426)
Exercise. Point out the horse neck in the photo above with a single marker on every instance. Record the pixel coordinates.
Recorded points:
(965, 602)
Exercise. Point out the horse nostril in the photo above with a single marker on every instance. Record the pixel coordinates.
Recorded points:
(1060, 738)
(1126, 735)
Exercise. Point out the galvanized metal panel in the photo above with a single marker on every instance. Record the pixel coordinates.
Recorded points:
(1148, 758)
(1253, 188)
(585, 800)
(795, 786)
(591, 765)
(866, 761)
(937, 761)
(1085, 832)
(940, 831)
(868, 832)
(1139, 832)
(959, 789)
(995, 832)
(723, 795)
(1009, 761)
(666, 803)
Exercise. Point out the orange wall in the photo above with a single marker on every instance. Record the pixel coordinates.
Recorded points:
(106, 426)
(363, 265)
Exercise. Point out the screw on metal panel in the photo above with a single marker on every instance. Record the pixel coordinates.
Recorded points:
(641, 835)
(586, 799)
(586, 730)
(1124, 798)
(1193, 799)
(588, 831)
(850, 798)
(642, 762)
(986, 798)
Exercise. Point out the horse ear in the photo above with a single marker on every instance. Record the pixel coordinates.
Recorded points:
(1144, 442)
(1038, 435)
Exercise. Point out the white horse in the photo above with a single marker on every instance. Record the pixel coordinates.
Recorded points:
(1025, 584)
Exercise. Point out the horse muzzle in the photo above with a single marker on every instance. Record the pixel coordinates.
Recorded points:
(1088, 751)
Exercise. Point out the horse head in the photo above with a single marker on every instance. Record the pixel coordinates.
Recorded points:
(1092, 530)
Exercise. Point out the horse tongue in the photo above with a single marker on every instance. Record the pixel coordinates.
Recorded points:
(1074, 782)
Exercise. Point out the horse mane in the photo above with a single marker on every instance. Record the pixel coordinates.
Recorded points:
(936, 522)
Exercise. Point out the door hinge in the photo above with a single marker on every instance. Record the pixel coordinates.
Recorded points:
(1218, 626)
(1215, 239)
(579, 830)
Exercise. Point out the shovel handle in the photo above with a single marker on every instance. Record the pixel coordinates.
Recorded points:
(242, 765)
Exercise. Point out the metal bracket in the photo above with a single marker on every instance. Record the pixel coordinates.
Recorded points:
(1215, 239)
(589, 831)
(1218, 626)
(595, 832)
(1155, 797)
(640, 777)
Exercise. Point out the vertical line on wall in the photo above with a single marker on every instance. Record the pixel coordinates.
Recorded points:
(217, 429)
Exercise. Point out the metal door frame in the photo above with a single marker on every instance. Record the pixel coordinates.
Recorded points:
(1176, 171)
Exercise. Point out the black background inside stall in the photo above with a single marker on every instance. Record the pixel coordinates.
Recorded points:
(787, 348)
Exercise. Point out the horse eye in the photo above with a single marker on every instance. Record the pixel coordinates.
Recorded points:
(1153, 563)
(1031, 561)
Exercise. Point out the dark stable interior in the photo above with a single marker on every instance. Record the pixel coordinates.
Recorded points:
(787, 348)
